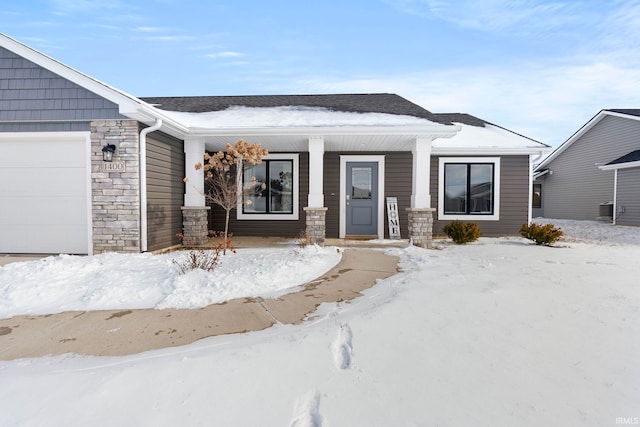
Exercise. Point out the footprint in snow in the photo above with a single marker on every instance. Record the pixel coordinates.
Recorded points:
(307, 411)
(342, 348)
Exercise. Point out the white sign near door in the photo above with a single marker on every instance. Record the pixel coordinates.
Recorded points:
(394, 219)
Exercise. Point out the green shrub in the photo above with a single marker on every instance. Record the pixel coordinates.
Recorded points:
(541, 234)
(461, 232)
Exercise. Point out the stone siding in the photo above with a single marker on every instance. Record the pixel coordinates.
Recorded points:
(421, 226)
(195, 225)
(316, 225)
(115, 195)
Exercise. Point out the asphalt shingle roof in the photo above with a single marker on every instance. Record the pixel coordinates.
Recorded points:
(357, 103)
(633, 156)
(629, 111)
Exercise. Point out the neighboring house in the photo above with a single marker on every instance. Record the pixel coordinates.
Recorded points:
(333, 161)
(595, 174)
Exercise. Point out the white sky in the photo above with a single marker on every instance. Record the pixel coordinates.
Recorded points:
(541, 68)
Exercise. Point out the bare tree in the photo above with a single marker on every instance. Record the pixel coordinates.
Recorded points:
(222, 171)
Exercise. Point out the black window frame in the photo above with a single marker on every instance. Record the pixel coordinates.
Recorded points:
(268, 211)
(468, 189)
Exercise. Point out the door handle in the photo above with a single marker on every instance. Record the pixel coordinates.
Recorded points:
(348, 197)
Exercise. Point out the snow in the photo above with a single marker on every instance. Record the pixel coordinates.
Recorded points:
(487, 136)
(112, 281)
(290, 116)
(496, 333)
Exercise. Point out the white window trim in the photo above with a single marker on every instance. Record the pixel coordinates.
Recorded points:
(496, 189)
(296, 193)
(343, 195)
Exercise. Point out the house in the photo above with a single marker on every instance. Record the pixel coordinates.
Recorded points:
(595, 174)
(334, 159)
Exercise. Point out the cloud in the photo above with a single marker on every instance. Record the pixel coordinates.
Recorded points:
(75, 6)
(519, 16)
(225, 54)
(547, 102)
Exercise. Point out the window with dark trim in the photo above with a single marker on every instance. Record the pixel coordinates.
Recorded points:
(536, 196)
(268, 187)
(469, 188)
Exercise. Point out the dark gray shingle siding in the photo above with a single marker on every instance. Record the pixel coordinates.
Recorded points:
(31, 94)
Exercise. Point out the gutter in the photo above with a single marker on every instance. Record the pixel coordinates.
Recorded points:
(143, 182)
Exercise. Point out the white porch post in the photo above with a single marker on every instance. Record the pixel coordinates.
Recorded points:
(316, 166)
(195, 213)
(420, 194)
(315, 210)
(194, 188)
(420, 213)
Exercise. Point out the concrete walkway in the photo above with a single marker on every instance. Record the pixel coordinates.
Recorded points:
(122, 332)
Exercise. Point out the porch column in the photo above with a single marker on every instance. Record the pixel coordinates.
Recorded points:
(315, 210)
(195, 213)
(420, 194)
(420, 213)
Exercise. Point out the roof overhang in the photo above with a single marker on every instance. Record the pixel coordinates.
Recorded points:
(616, 166)
(540, 174)
(505, 151)
(338, 138)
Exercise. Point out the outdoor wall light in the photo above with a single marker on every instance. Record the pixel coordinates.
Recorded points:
(107, 152)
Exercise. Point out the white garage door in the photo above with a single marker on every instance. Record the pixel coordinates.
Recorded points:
(44, 199)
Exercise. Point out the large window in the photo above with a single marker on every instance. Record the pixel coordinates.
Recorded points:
(269, 189)
(469, 188)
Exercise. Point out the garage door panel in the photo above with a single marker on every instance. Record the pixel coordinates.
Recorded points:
(46, 211)
(42, 182)
(44, 198)
(62, 239)
(30, 154)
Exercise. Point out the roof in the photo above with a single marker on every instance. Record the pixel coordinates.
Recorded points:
(632, 114)
(387, 103)
(629, 160)
(633, 156)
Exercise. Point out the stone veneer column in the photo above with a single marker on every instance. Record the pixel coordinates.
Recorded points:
(421, 226)
(195, 223)
(115, 195)
(316, 229)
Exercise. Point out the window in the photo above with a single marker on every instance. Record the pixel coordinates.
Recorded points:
(270, 188)
(536, 197)
(469, 188)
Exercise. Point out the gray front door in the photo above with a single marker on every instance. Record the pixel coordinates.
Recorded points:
(362, 199)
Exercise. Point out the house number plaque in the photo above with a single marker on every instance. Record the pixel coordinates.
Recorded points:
(113, 167)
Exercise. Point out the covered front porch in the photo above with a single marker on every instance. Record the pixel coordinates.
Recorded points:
(341, 178)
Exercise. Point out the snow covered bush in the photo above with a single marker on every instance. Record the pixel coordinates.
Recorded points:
(546, 234)
(461, 232)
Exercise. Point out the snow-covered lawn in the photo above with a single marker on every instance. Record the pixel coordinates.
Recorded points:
(496, 333)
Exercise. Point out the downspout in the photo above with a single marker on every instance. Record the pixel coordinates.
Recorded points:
(143, 182)
(615, 196)
(532, 161)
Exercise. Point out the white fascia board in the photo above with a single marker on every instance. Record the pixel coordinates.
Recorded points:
(436, 131)
(626, 165)
(505, 151)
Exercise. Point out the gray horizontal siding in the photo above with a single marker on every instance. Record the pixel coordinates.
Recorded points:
(514, 198)
(629, 196)
(30, 94)
(165, 190)
(280, 228)
(576, 188)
